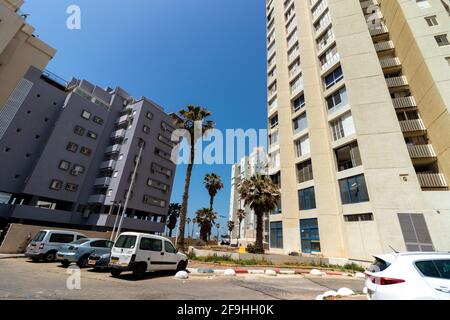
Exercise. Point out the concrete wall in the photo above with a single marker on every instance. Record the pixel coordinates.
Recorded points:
(16, 238)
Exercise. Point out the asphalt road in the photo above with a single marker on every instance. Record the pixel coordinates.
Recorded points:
(22, 279)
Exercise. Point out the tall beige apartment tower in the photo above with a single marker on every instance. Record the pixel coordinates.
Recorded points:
(19, 48)
(359, 125)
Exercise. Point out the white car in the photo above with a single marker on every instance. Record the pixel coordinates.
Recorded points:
(140, 252)
(409, 276)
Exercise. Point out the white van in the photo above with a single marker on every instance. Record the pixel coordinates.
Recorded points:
(46, 243)
(140, 252)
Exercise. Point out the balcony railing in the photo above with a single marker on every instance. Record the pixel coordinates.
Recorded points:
(377, 31)
(421, 151)
(294, 70)
(330, 62)
(98, 198)
(412, 125)
(297, 86)
(397, 82)
(384, 45)
(102, 182)
(118, 134)
(366, 4)
(390, 62)
(111, 164)
(404, 102)
(113, 149)
(273, 105)
(432, 180)
(291, 27)
(293, 55)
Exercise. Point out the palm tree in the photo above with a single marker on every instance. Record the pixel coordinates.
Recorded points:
(262, 196)
(191, 119)
(230, 226)
(205, 220)
(194, 222)
(188, 221)
(213, 184)
(173, 214)
(240, 214)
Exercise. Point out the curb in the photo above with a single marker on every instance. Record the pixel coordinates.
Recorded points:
(16, 256)
(209, 272)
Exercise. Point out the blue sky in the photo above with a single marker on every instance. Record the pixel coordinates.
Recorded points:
(175, 52)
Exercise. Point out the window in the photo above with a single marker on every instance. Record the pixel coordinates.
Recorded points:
(353, 190)
(309, 235)
(359, 217)
(348, 157)
(166, 127)
(98, 120)
(146, 129)
(302, 146)
(100, 244)
(337, 100)
(300, 123)
(435, 268)
(56, 185)
(156, 168)
(162, 154)
(415, 232)
(307, 199)
(79, 130)
(158, 185)
(72, 147)
(64, 165)
(71, 187)
(151, 244)
(85, 151)
(166, 141)
(61, 238)
(442, 40)
(299, 103)
(274, 121)
(154, 202)
(92, 135)
(304, 171)
(342, 127)
(432, 21)
(149, 115)
(169, 248)
(334, 77)
(126, 242)
(276, 234)
(86, 115)
(77, 170)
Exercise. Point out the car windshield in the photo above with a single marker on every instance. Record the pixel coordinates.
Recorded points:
(81, 241)
(126, 242)
(39, 236)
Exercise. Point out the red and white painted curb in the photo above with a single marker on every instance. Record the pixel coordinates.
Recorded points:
(271, 272)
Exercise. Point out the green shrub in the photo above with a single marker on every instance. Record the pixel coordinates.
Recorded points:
(254, 248)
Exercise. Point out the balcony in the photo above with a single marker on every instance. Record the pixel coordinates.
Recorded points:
(297, 86)
(432, 180)
(273, 105)
(113, 149)
(334, 59)
(291, 27)
(293, 55)
(366, 4)
(108, 165)
(127, 110)
(102, 182)
(421, 151)
(378, 31)
(404, 102)
(123, 120)
(319, 10)
(294, 70)
(272, 93)
(412, 125)
(390, 63)
(97, 199)
(396, 82)
(119, 134)
(384, 45)
(323, 25)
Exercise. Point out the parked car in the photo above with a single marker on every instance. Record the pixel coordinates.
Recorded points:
(99, 261)
(79, 251)
(409, 276)
(46, 243)
(140, 252)
(225, 242)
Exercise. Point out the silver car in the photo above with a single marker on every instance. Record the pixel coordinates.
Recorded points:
(80, 250)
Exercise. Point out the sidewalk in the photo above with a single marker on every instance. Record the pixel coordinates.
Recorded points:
(12, 256)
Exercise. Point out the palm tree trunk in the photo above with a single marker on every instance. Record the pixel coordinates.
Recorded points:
(184, 204)
(259, 230)
(211, 202)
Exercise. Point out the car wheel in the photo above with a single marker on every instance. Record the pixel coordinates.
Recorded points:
(139, 271)
(115, 272)
(50, 256)
(65, 263)
(182, 265)
(35, 259)
(83, 262)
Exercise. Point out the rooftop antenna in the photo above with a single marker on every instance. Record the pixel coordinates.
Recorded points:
(395, 251)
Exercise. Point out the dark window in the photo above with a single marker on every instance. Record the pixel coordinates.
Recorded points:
(337, 99)
(274, 121)
(156, 168)
(162, 154)
(334, 77)
(353, 190)
(126, 242)
(85, 151)
(79, 130)
(39, 236)
(92, 135)
(56, 185)
(61, 238)
(359, 217)
(153, 201)
(378, 266)
(98, 120)
(309, 235)
(146, 129)
(71, 187)
(166, 127)
(415, 232)
(151, 244)
(348, 157)
(299, 103)
(169, 248)
(99, 244)
(307, 199)
(442, 40)
(80, 237)
(276, 234)
(77, 170)
(85, 114)
(72, 147)
(304, 171)
(435, 268)
(64, 165)
(300, 123)
(149, 115)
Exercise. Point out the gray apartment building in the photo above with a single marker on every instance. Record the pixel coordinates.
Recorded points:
(68, 152)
